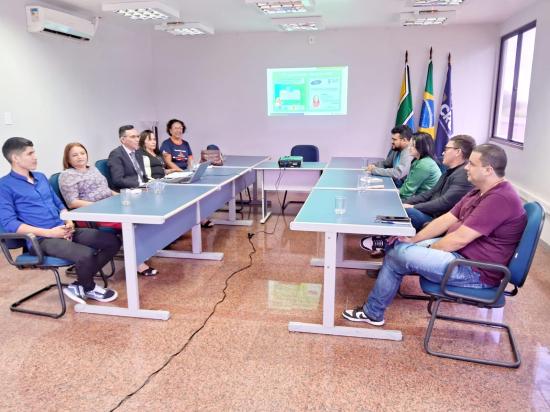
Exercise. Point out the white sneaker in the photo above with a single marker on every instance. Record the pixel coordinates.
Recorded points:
(101, 294)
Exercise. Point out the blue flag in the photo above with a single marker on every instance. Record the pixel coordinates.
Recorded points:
(445, 123)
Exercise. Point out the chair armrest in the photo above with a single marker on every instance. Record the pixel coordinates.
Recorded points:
(30, 237)
(481, 265)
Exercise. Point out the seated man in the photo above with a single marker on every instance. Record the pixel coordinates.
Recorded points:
(450, 188)
(399, 159)
(28, 204)
(485, 225)
(126, 165)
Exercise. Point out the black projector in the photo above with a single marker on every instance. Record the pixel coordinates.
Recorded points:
(290, 161)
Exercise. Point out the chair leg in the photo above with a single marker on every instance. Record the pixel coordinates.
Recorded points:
(104, 276)
(15, 306)
(514, 364)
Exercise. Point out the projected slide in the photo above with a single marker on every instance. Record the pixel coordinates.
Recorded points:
(307, 91)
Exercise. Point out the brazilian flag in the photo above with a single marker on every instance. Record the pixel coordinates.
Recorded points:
(405, 111)
(427, 119)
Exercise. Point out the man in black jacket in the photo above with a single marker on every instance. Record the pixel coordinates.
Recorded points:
(450, 188)
(125, 164)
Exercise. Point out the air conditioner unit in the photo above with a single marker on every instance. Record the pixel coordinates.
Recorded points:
(42, 19)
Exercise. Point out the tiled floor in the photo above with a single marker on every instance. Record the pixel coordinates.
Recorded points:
(244, 359)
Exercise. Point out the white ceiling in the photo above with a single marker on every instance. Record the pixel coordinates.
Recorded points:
(238, 16)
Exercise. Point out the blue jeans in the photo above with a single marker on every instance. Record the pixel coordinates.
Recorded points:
(418, 218)
(409, 258)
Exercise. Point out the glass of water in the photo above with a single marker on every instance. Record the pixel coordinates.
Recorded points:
(339, 205)
(125, 196)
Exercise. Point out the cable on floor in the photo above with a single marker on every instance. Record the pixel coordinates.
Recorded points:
(184, 346)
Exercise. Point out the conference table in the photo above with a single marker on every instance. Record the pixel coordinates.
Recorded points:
(362, 207)
(152, 221)
(290, 179)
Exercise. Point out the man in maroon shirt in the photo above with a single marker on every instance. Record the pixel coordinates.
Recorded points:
(485, 225)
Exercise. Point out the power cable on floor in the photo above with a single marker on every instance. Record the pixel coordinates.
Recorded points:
(184, 346)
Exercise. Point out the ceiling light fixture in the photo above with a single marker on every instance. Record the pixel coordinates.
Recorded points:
(426, 17)
(311, 23)
(142, 10)
(179, 28)
(283, 6)
(435, 3)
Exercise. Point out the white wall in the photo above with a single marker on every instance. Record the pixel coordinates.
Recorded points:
(61, 90)
(528, 168)
(217, 85)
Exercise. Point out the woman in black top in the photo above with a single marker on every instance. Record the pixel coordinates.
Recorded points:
(152, 159)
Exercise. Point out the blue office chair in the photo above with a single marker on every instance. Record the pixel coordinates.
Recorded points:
(11, 241)
(103, 167)
(54, 183)
(310, 153)
(515, 273)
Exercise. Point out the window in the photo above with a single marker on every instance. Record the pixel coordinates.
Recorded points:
(514, 78)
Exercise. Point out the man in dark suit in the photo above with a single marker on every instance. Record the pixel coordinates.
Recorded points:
(126, 165)
(451, 187)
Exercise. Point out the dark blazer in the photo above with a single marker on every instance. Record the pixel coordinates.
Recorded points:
(123, 173)
(449, 189)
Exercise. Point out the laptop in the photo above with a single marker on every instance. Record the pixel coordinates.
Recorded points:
(192, 178)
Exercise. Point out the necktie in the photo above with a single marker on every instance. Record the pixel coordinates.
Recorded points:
(136, 166)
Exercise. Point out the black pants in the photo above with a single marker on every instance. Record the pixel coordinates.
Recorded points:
(90, 250)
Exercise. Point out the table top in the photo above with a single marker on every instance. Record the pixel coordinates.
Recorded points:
(362, 207)
(347, 179)
(144, 207)
(242, 161)
(270, 165)
(351, 162)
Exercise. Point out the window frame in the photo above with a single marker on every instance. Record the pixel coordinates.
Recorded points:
(518, 32)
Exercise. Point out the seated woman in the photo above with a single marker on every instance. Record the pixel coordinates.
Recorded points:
(176, 151)
(82, 185)
(155, 168)
(425, 171)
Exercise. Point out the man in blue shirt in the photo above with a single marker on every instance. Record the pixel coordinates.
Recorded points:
(28, 204)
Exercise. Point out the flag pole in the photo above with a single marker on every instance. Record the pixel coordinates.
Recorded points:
(430, 53)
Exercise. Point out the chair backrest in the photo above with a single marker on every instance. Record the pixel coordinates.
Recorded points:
(309, 152)
(523, 257)
(54, 183)
(103, 167)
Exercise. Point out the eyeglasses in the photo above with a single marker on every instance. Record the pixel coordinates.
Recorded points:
(448, 148)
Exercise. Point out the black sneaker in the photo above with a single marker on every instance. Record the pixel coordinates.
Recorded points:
(372, 243)
(357, 315)
(75, 292)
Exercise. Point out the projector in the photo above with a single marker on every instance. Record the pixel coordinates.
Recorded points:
(290, 161)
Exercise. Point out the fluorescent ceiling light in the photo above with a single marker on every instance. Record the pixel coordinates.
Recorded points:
(300, 23)
(435, 3)
(283, 6)
(142, 10)
(185, 29)
(426, 17)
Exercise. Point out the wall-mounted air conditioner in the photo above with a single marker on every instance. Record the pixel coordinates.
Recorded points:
(42, 19)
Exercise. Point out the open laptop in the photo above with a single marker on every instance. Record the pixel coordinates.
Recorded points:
(192, 178)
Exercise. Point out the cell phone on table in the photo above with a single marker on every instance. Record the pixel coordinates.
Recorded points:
(385, 218)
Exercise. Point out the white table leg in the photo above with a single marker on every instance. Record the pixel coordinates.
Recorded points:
(132, 287)
(329, 293)
(232, 221)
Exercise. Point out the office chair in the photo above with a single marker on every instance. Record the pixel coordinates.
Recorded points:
(310, 153)
(103, 166)
(515, 273)
(24, 261)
